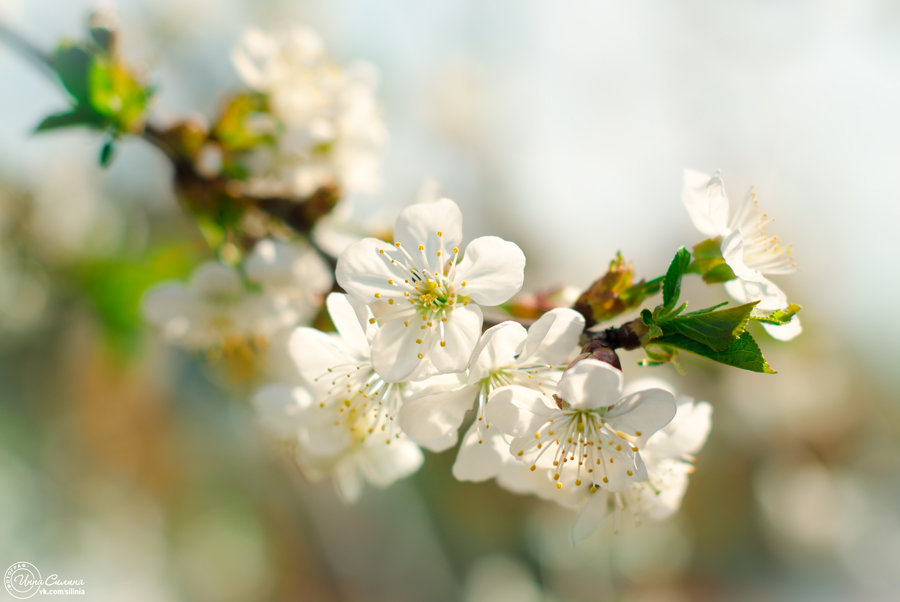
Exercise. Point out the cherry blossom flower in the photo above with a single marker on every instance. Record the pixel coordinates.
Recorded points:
(342, 419)
(505, 355)
(424, 291)
(293, 270)
(215, 310)
(669, 456)
(330, 128)
(588, 432)
(328, 445)
(746, 245)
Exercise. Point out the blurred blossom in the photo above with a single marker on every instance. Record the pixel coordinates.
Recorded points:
(330, 129)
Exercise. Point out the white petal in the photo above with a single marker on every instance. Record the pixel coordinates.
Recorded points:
(432, 418)
(461, 331)
(784, 332)
(348, 481)
(594, 513)
(215, 279)
(685, 434)
(516, 410)
(254, 47)
(553, 337)
(749, 285)
(644, 412)
(348, 319)
(497, 348)
(482, 455)
(706, 203)
(364, 271)
(395, 353)
(385, 463)
(493, 270)
(278, 408)
(420, 224)
(315, 353)
(591, 384)
(166, 302)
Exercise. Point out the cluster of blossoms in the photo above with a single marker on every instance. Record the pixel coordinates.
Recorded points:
(409, 362)
(328, 129)
(226, 310)
(412, 362)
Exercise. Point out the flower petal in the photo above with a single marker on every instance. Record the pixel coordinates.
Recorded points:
(315, 353)
(493, 270)
(591, 384)
(385, 463)
(784, 332)
(482, 455)
(517, 410)
(497, 348)
(553, 337)
(365, 270)
(436, 225)
(278, 408)
(432, 418)
(643, 413)
(348, 318)
(706, 203)
(215, 279)
(461, 331)
(395, 350)
(593, 514)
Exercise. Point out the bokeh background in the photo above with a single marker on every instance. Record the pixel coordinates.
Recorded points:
(563, 126)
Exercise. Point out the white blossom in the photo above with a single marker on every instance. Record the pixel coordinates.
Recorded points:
(748, 249)
(342, 419)
(588, 432)
(215, 310)
(506, 354)
(328, 445)
(330, 129)
(669, 456)
(424, 291)
(293, 270)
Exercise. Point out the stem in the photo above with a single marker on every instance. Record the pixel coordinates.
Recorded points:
(24, 47)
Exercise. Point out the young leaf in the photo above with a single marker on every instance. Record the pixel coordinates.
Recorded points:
(672, 282)
(780, 316)
(709, 263)
(106, 153)
(719, 273)
(72, 63)
(717, 329)
(68, 119)
(743, 352)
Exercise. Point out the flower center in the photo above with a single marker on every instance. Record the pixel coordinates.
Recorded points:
(361, 397)
(582, 446)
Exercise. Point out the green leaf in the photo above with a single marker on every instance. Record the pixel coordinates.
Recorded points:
(72, 118)
(743, 352)
(780, 316)
(116, 94)
(106, 153)
(719, 273)
(717, 329)
(672, 282)
(709, 263)
(72, 63)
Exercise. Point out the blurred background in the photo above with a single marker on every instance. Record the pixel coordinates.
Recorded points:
(562, 126)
